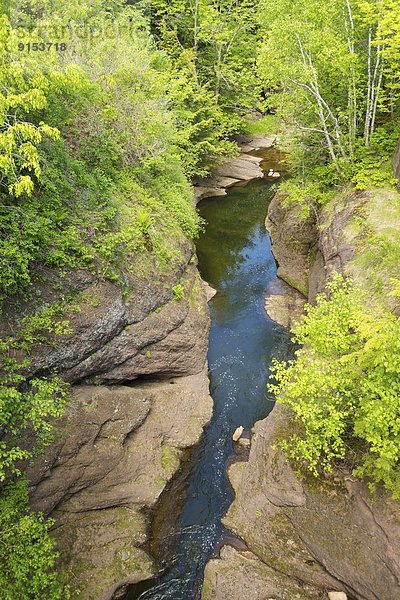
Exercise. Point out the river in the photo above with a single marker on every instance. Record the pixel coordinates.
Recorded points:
(235, 257)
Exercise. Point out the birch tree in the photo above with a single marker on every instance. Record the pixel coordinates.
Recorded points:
(310, 51)
(335, 64)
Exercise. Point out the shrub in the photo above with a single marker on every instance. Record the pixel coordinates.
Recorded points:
(27, 556)
(344, 388)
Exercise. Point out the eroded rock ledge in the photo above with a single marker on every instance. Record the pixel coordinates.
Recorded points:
(119, 333)
(116, 450)
(143, 344)
(241, 168)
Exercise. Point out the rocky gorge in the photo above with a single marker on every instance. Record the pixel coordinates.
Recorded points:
(135, 356)
(136, 360)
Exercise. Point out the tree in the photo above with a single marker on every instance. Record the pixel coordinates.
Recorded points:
(329, 61)
(222, 36)
(23, 91)
(27, 556)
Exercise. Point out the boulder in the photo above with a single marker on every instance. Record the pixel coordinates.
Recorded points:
(245, 167)
(283, 303)
(237, 433)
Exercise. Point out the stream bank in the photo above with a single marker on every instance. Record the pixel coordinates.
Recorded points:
(306, 538)
(136, 359)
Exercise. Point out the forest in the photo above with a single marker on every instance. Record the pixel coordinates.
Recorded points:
(110, 110)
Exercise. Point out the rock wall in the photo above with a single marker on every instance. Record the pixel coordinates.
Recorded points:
(117, 448)
(293, 239)
(121, 332)
(136, 359)
(308, 252)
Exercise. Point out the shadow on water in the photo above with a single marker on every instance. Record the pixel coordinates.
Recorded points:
(235, 258)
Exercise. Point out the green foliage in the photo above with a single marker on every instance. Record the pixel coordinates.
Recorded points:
(267, 124)
(27, 557)
(374, 164)
(36, 327)
(309, 196)
(27, 88)
(178, 291)
(26, 408)
(223, 38)
(115, 183)
(201, 125)
(344, 388)
(332, 71)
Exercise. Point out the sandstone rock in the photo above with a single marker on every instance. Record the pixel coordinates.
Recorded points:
(213, 186)
(116, 450)
(235, 575)
(203, 191)
(245, 442)
(249, 143)
(209, 290)
(292, 240)
(116, 337)
(337, 596)
(237, 433)
(342, 239)
(338, 248)
(242, 168)
(117, 447)
(307, 257)
(170, 342)
(284, 304)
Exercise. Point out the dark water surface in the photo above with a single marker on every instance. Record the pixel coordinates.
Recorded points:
(235, 258)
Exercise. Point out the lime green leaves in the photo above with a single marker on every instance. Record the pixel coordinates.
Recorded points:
(344, 388)
(19, 153)
(27, 557)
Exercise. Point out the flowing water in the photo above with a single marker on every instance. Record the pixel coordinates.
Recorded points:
(235, 258)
